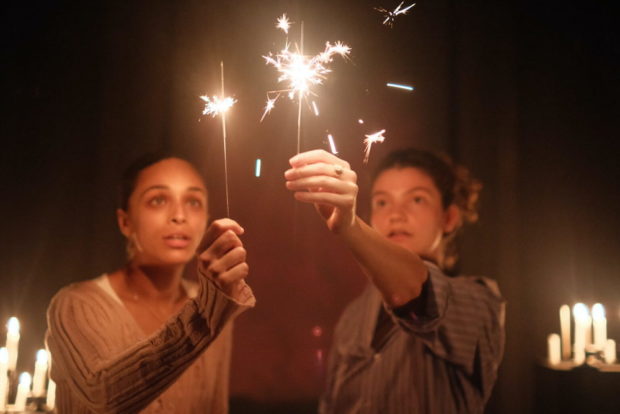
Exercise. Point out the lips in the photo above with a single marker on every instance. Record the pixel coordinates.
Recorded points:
(177, 240)
(399, 235)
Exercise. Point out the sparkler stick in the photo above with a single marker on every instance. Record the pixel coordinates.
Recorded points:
(371, 139)
(219, 106)
(400, 86)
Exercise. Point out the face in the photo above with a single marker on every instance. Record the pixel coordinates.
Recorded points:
(407, 209)
(167, 213)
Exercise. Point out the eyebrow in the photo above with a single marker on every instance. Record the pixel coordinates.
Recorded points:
(411, 190)
(164, 187)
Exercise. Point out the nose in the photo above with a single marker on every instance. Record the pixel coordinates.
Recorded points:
(177, 215)
(397, 214)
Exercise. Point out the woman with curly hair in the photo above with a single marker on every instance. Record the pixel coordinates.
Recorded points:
(416, 340)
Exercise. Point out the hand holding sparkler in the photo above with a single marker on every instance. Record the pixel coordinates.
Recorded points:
(322, 179)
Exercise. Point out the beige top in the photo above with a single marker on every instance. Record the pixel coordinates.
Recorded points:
(102, 362)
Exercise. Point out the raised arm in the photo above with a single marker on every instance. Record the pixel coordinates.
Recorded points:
(82, 332)
(322, 179)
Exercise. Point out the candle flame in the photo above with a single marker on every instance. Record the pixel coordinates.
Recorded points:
(580, 311)
(13, 325)
(598, 312)
(371, 139)
(25, 379)
(42, 356)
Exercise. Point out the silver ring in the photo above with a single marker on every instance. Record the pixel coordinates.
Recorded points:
(338, 169)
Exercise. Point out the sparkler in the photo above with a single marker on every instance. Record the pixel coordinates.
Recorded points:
(301, 72)
(219, 105)
(400, 86)
(332, 145)
(390, 16)
(283, 23)
(371, 139)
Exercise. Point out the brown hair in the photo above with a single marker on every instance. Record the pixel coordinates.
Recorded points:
(454, 182)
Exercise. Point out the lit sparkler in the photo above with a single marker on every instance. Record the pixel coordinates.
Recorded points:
(400, 86)
(332, 144)
(301, 73)
(219, 105)
(283, 23)
(371, 139)
(390, 16)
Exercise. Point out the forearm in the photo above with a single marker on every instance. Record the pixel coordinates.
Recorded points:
(396, 272)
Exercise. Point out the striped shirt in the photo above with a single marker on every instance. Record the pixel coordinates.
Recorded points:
(103, 362)
(442, 358)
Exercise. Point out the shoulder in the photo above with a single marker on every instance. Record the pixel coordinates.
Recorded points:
(77, 296)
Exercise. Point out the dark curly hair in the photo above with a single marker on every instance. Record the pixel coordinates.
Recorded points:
(454, 182)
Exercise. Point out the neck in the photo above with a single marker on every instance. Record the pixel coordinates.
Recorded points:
(161, 284)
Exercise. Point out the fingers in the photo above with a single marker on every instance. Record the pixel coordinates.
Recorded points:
(216, 229)
(316, 156)
(341, 171)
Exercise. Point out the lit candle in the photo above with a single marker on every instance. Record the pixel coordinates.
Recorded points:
(580, 313)
(610, 351)
(40, 373)
(12, 342)
(565, 331)
(600, 326)
(553, 349)
(23, 389)
(51, 395)
(4, 380)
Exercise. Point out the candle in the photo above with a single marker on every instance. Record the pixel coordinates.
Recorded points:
(553, 349)
(565, 331)
(22, 392)
(4, 380)
(12, 341)
(580, 313)
(40, 373)
(610, 351)
(51, 395)
(600, 326)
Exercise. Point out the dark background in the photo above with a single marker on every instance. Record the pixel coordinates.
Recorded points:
(524, 93)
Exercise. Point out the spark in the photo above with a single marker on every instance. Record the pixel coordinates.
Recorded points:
(283, 23)
(360, 121)
(390, 16)
(302, 72)
(215, 105)
(315, 108)
(371, 139)
(332, 145)
(257, 168)
(399, 86)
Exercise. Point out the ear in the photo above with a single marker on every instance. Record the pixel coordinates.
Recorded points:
(452, 219)
(123, 222)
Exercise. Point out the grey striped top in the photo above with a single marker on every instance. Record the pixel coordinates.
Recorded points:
(442, 358)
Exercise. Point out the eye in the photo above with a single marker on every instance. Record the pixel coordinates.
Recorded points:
(157, 200)
(379, 203)
(195, 202)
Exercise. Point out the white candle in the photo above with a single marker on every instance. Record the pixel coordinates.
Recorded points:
(12, 341)
(23, 389)
(610, 351)
(4, 379)
(600, 326)
(51, 395)
(40, 373)
(565, 331)
(580, 313)
(553, 349)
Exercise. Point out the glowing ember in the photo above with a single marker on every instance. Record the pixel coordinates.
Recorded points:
(216, 105)
(390, 16)
(283, 23)
(302, 72)
(371, 139)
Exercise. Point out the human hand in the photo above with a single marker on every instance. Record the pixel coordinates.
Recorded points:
(222, 257)
(322, 179)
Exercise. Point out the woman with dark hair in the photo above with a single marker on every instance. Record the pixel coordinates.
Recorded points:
(143, 338)
(416, 340)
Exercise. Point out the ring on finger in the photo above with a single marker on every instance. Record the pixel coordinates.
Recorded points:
(338, 169)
